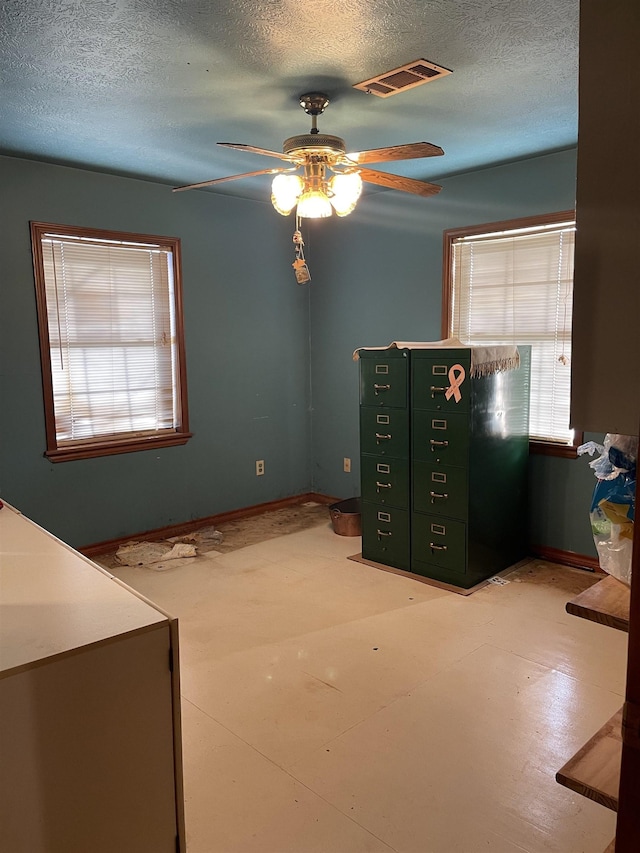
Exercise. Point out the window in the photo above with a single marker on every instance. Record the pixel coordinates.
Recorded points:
(512, 282)
(111, 341)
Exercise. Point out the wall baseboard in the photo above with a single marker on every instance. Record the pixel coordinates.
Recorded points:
(567, 558)
(209, 520)
(553, 555)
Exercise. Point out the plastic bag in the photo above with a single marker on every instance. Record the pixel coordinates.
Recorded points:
(612, 509)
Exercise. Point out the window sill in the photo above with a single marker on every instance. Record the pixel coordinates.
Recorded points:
(111, 448)
(550, 448)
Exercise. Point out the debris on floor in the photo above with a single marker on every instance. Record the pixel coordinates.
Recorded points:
(231, 536)
(140, 553)
(179, 550)
(149, 553)
(205, 539)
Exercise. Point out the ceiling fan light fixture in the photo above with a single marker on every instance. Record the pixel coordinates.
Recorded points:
(314, 204)
(314, 194)
(345, 189)
(285, 191)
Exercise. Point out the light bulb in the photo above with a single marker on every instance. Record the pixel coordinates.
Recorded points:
(314, 204)
(345, 188)
(285, 190)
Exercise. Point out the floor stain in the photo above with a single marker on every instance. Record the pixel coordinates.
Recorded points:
(541, 573)
(270, 525)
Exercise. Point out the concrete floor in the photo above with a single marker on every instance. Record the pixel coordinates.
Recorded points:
(330, 707)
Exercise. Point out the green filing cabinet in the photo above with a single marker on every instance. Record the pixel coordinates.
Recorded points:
(465, 466)
(385, 457)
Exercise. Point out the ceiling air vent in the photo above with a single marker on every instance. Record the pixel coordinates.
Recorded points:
(400, 79)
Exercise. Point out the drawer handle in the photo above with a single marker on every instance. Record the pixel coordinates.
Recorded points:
(435, 443)
(382, 533)
(435, 547)
(382, 486)
(377, 388)
(435, 495)
(380, 438)
(437, 389)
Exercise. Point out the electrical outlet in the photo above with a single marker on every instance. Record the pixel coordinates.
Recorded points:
(259, 467)
(347, 465)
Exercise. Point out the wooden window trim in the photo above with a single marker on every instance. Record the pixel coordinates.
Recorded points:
(552, 448)
(105, 447)
(547, 448)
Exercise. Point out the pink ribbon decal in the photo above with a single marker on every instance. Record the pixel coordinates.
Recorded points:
(456, 378)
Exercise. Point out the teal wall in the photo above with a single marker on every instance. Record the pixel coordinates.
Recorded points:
(247, 344)
(378, 278)
(270, 373)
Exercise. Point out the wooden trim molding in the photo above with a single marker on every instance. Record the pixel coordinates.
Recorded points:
(447, 302)
(111, 448)
(552, 448)
(567, 558)
(209, 520)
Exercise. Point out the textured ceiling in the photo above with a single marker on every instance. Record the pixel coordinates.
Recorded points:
(147, 87)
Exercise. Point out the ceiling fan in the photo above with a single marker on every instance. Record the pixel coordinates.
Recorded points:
(331, 178)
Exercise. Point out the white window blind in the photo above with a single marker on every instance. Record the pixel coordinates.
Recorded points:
(517, 287)
(112, 338)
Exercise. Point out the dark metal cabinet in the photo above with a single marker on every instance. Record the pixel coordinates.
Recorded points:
(459, 448)
(385, 457)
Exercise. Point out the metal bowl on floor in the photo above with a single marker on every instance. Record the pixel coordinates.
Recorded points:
(346, 517)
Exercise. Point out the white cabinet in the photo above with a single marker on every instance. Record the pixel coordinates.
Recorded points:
(90, 743)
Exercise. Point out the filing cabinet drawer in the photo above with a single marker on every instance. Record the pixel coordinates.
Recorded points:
(384, 433)
(440, 542)
(384, 380)
(441, 381)
(385, 535)
(441, 438)
(440, 490)
(385, 481)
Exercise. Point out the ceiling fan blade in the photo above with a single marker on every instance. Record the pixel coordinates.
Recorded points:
(397, 182)
(410, 151)
(229, 178)
(254, 150)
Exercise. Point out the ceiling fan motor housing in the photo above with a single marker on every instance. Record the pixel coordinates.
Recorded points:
(318, 143)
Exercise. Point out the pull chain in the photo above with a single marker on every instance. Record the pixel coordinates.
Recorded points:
(300, 265)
